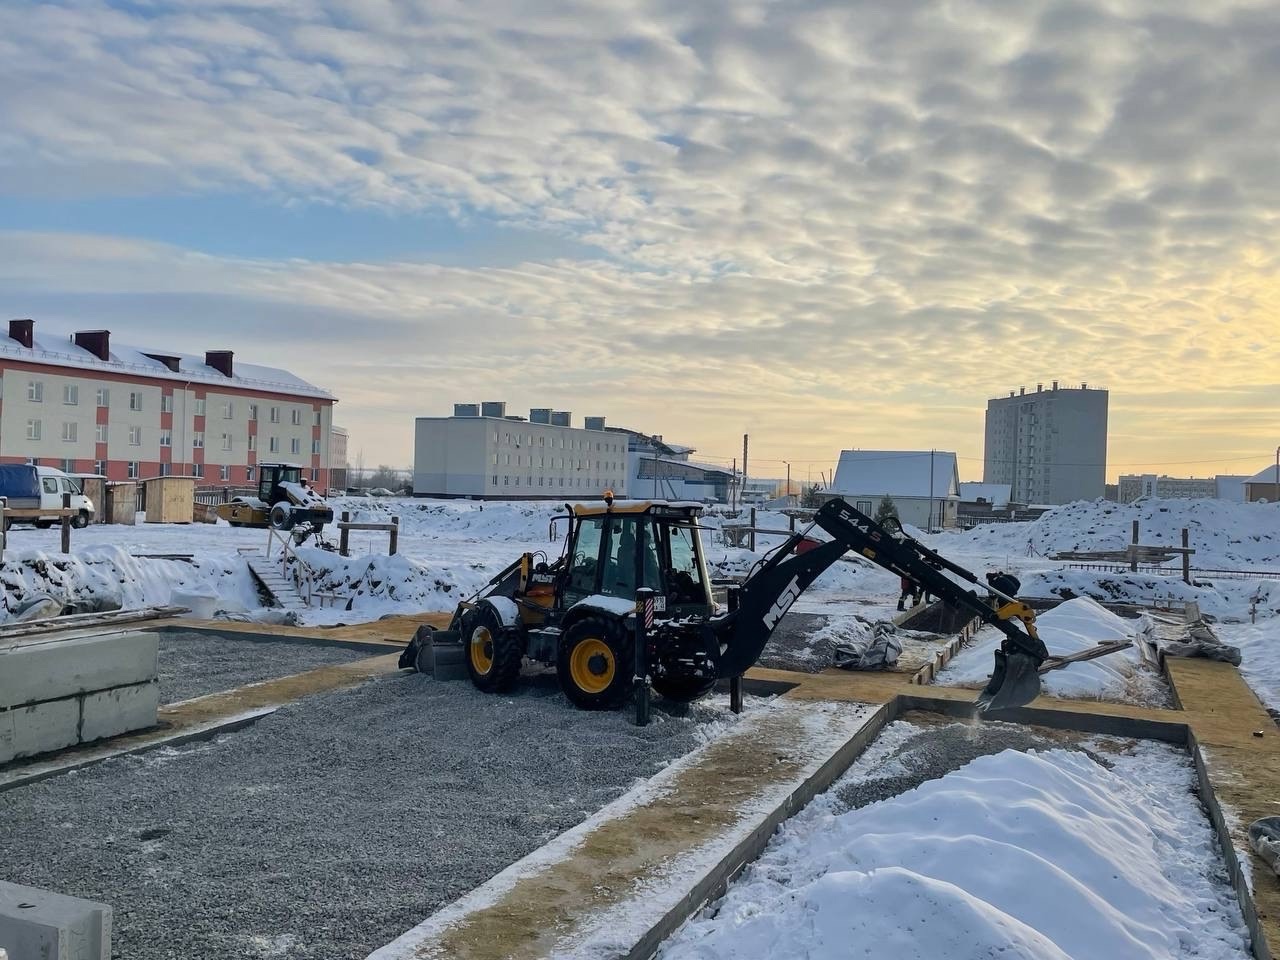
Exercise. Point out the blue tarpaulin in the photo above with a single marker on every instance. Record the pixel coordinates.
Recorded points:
(19, 481)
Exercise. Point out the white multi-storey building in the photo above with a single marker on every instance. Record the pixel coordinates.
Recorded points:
(481, 453)
(87, 405)
(1049, 446)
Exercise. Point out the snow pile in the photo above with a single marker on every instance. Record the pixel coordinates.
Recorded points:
(1069, 628)
(109, 577)
(524, 521)
(1259, 646)
(1020, 855)
(1225, 535)
(1220, 597)
(375, 585)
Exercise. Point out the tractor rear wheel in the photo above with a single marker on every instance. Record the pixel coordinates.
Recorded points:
(493, 651)
(596, 663)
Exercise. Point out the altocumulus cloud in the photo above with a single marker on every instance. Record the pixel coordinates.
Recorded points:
(885, 212)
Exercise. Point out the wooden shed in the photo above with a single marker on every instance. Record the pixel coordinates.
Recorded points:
(170, 499)
(121, 503)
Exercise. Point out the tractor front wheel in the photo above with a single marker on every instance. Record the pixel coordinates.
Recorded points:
(494, 652)
(595, 663)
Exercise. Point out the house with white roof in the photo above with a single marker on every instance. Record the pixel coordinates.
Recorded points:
(87, 404)
(1263, 486)
(923, 484)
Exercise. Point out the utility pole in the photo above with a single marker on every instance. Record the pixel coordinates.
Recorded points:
(931, 491)
(733, 485)
(788, 463)
(743, 492)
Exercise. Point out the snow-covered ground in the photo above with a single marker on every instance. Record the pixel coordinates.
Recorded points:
(1071, 627)
(1039, 854)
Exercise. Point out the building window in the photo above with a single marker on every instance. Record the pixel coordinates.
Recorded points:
(135, 436)
(33, 429)
(135, 400)
(228, 411)
(295, 445)
(100, 467)
(253, 411)
(197, 439)
(133, 470)
(248, 474)
(197, 469)
(273, 445)
(295, 415)
(166, 438)
(104, 397)
(68, 466)
(275, 414)
(226, 443)
(315, 448)
(224, 472)
(316, 419)
(315, 474)
(495, 479)
(166, 403)
(253, 443)
(35, 391)
(506, 480)
(166, 469)
(70, 395)
(70, 432)
(100, 433)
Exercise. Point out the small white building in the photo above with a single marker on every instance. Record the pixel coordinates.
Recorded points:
(1264, 486)
(923, 484)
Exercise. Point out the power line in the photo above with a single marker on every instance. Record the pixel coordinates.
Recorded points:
(1053, 463)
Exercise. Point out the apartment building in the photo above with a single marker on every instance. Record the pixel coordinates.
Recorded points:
(1049, 446)
(482, 453)
(1135, 485)
(87, 405)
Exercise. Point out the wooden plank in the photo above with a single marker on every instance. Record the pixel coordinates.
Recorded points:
(353, 525)
(78, 621)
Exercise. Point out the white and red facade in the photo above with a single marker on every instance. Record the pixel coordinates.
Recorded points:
(85, 405)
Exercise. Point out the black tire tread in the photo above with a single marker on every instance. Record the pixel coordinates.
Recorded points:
(508, 650)
(619, 640)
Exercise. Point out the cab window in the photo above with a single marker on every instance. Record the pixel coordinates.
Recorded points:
(620, 567)
(586, 557)
(50, 484)
(686, 573)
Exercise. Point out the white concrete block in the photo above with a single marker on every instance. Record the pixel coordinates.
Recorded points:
(51, 668)
(35, 923)
(109, 713)
(26, 731)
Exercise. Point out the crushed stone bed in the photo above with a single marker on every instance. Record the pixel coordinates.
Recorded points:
(194, 664)
(334, 825)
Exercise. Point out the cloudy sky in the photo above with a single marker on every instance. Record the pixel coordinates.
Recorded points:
(830, 224)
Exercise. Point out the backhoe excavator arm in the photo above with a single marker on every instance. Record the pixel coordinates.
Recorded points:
(771, 589)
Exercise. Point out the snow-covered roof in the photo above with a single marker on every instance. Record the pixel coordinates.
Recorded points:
(1265, 475)
(996, 494)
(126, 359)
(899, 473)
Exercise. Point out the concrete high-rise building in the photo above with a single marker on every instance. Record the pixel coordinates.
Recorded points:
(1050, 446)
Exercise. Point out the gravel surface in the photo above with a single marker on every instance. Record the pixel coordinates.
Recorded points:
(932, 750)
(193, 664)
(334, 825)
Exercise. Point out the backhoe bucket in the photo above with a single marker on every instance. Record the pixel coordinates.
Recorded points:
(1015, 682)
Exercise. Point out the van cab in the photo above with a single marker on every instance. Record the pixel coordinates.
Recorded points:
(53, 484)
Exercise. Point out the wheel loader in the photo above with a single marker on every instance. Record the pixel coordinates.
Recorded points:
(284, 502)
(578, 612)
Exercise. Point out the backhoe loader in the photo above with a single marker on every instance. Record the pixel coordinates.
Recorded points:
(578, 612)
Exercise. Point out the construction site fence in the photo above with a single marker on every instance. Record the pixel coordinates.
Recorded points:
(1155, 568)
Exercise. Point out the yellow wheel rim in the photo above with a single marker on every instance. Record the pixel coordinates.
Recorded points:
(482, 650)
(591, 666)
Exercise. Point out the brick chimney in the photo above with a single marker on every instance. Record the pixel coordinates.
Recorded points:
(220, 360)
(23, 331)
(97, 342)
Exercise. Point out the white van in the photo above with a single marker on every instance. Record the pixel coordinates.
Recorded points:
(53, 484)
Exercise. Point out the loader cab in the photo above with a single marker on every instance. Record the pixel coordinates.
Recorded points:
(614, 549)
(271, 475)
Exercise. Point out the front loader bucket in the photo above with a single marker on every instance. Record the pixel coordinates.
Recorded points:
(437, 653)
(1015, 682)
